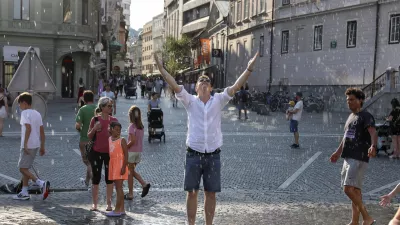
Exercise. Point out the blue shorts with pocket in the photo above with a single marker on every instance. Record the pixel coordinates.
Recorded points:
(206, 166)
(294, 126)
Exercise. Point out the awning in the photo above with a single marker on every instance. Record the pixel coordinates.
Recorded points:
(184, 70)
(199, 70)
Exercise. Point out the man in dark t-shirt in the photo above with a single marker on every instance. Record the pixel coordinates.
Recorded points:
(357, 146)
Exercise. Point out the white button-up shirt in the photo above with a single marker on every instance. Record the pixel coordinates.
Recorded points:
(204, 120)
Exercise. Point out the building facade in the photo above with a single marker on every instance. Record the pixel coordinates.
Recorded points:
(126, 5)
(249, 31)
(173, 18)
(136, 55)
(61, 31)
(158, 37)
(315, 44)
(147, 48)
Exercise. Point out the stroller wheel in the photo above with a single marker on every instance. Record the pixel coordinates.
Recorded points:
(164, 138)
(149, 139)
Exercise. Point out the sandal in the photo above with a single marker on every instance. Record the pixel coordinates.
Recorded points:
(109, 209)
(94, 210)
(113, 214)
(126, 197)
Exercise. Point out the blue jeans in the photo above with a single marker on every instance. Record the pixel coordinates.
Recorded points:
(208, 166)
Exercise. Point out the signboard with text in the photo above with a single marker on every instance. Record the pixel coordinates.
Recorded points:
(205, 50)
(10, 53)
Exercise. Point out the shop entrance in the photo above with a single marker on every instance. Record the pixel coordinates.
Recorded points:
(67, 74)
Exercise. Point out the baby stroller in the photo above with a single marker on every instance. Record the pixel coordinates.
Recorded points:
(130, 91)
(384, 139)
(156, 125)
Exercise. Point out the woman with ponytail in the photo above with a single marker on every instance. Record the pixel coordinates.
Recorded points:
(135, 149)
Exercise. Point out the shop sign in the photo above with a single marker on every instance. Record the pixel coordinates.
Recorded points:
(10, 53)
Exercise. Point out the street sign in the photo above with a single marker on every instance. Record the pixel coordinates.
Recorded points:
(217, 53)
(31, 75)
(38, 103)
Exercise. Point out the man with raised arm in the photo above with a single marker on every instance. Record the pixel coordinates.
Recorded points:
(204, 138)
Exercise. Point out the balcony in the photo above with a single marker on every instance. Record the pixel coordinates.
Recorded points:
(194, 4)
(195, 25)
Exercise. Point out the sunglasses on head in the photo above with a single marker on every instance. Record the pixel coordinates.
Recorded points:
(205, 80)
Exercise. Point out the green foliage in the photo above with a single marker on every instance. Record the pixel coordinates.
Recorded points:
(174, 53)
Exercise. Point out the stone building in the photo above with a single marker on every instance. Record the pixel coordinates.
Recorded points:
(62, 32)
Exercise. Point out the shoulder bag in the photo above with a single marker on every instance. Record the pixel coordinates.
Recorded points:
(90, 144)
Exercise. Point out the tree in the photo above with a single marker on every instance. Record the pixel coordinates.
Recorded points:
(174, 53)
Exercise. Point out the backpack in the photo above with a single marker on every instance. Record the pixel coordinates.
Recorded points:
(244, 97)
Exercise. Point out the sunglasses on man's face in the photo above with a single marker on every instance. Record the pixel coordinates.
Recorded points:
(204, 80)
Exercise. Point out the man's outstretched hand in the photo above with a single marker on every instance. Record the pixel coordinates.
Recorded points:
(252, 61)
(158, 61)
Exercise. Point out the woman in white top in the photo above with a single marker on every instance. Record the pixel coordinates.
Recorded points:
(3, 109)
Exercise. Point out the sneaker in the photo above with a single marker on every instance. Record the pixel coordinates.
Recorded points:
(145, 190)
(295, 146)
(46, 190)
(21, 196)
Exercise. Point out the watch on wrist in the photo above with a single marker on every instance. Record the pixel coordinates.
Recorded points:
(374, 146)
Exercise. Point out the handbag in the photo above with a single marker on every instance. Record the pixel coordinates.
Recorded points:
(90, 144)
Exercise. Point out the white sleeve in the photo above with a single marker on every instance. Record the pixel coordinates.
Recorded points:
(299, 105)
(184, 97)
(25, 118)
(223, 97)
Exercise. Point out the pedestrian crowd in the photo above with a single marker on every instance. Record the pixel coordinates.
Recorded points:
(101, 144)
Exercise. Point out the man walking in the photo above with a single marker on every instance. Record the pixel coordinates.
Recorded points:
(296, 117)
(243, 99)
(357, 146)
(204, 138)
(83, 118)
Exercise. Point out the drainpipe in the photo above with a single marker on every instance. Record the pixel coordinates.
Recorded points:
(226, 51)
(376, 47)
(271, 46)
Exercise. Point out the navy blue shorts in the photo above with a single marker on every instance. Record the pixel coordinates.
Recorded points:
(206, 166)
(294, 126)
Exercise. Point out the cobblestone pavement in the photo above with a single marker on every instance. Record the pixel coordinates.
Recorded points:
(259, 180)
(167, 207)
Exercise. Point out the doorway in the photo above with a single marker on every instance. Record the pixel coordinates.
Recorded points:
(67, 74)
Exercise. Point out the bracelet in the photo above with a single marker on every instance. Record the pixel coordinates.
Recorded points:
(249, 70)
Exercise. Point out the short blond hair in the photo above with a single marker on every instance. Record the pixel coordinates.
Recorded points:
(203, 76)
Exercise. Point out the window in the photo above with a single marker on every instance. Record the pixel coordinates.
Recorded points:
(261, 46)
(217, 41)
(262, 5)
(253, 43)
(285, 2)
(85, 12)
(245, 48)
(246, 8)
(285, 42)
(21, 9)
(232, 14)
(351, 34)
(67, 11)
(238, 49)
(253, 7)
(394, 31)
(318, 37)
(239, 11)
